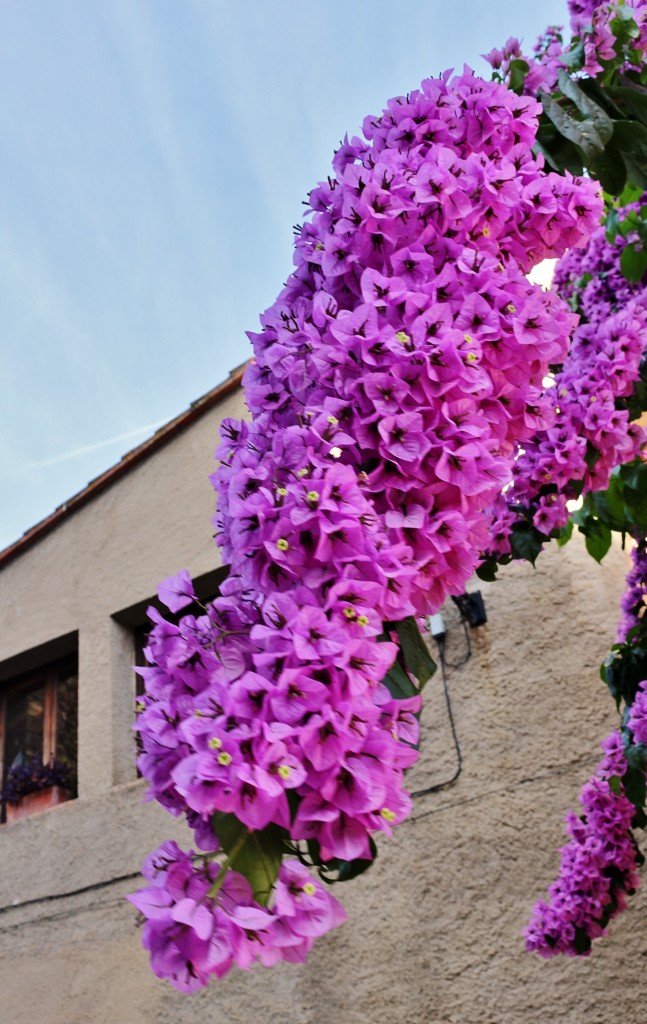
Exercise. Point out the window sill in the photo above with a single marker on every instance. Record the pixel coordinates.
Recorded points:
(36, 803)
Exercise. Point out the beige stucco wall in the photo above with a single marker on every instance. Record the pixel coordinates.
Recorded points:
(434, 929)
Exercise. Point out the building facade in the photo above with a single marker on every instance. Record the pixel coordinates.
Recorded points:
(434, 929)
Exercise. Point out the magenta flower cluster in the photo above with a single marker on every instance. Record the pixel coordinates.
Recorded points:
(581, 12)
(592, 279)
(593, 22)
(634, 598)
(598, 865)
(543, 66)
(602, 32)
(392, 380)
(192, 935)
(588, 434)
(408, 341)
(637, 719)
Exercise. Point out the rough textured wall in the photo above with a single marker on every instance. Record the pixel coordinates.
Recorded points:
(434, 929)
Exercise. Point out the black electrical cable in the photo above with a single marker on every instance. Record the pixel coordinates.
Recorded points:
(444, 665)
(467, 656)
(95, 887)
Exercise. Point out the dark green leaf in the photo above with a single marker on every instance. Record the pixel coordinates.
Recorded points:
(633, 263)
(635, 786)
(610, 170)
(611, 504)
(636, 755)
(597, 539)
(623, 671)
(636, 171)
(526, 542)
(632, 101)
(631, 137)
(415, 651)
(583, 134)
(610, 677)
(639, 820)
(565, 534)
(256, 855)
(612, 224)
(487, 570)
(559, 152)
(398, 683)
(600, 93)
(588, 108)
(581, 942)
(634, 492)
(517, 76)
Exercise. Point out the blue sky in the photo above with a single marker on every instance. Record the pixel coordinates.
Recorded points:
(155, 155)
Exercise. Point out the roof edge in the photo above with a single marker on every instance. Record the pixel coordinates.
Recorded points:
(132, 458)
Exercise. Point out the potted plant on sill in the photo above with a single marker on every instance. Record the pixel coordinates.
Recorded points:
(35, 786)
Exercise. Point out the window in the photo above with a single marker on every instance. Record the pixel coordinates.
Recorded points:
(38, 726)
(135, 620)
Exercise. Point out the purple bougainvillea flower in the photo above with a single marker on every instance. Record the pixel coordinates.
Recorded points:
(176, 592)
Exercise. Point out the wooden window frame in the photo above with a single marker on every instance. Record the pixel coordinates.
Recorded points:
(50, 675)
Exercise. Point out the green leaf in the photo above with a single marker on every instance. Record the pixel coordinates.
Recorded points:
(610, 170)
(623, 671)
(599, 92)
(526, 542)
(518, 71)
(631, 137)
(636, 171)
(639, 820)
(398, 683)
(633, 101)
(610, 677)
(487, 570)
(634, 492)
(623, 24)
(608, 507)
(583, 134)
(612, 225)
(597, 539)
(415, 651)
(565, 534)
(559, 152)
(255, 854)
(588, 108)
(630, 194)
(635, 786)
(636, 755)
(574, 58)
(581, 942)
(633, 263)
(611, 503)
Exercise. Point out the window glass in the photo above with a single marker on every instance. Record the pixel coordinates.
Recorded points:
(24, 725)
(67, 722)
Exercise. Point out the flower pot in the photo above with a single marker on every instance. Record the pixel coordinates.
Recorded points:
(33, 803)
